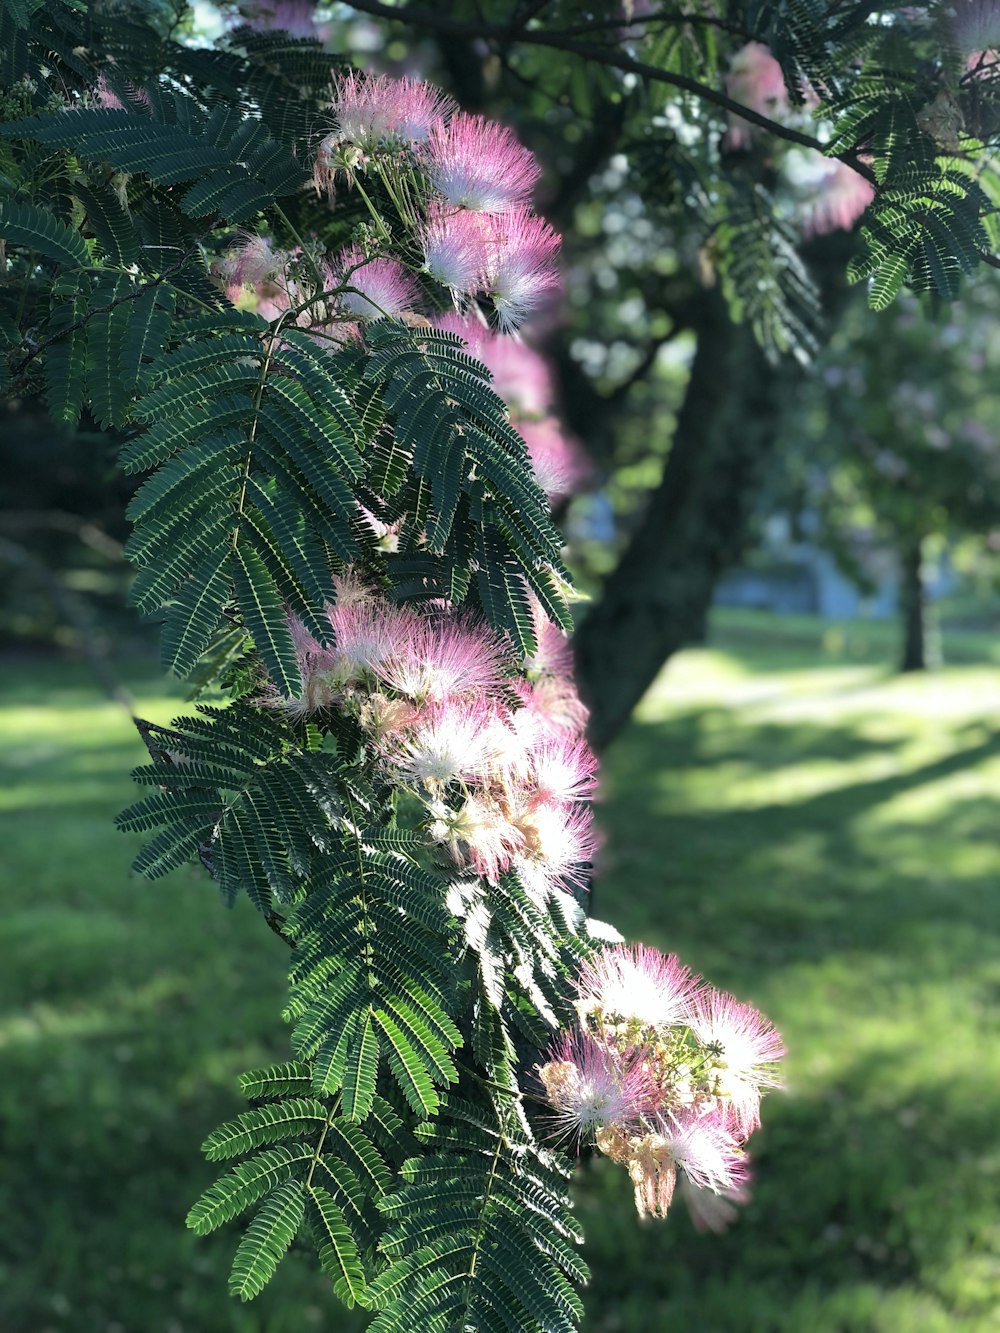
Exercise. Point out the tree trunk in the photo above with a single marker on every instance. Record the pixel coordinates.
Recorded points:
(921, 649)
(696, 524)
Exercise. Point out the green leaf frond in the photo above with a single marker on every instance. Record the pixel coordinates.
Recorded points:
(480, 1232)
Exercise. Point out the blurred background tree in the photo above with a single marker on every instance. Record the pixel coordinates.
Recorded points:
(898, 437)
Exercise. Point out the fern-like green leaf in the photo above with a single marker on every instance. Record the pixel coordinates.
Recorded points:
(267, 1239)
(293, 1117)
(281, 1080)
(265, 617)
(338, 1251)
(40, 231)
(245, 1185)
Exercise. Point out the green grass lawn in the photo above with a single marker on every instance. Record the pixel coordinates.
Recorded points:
(812, 833)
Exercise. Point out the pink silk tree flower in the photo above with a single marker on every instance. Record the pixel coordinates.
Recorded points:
(447, 743)
(522, 376)
(367, 632)
(469, 327)
(553, 655)
(560, 464)
(254, 262)
(635, 983)
(746, 1048)
(973, 25)
(522, 270)
(479, 164)
(840, 198)
(373, 110)
(455, 245)
(479, 837)
(553, 702)
(589, 1089)
(652, 1171)
(705, 1150)
(756, 81)
(559, 844)
(380, 287)
(317, 666)
(445, 656)
(563, 769)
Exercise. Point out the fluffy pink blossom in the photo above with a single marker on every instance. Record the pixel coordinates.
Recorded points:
(522, 376)
(369, 631)
(559, 844)
(381, 287)
(974, 25)
(469, 327)
(479, 836)
(455, 244)
(840, 197)
(756, 81)
(560, 464)
(522, 270)
(447, 743)
(983, 64)
(270, 299)
(443, 657)
(562, 769)
(374, 109)
(635, 983)
(651, 1168)
(253, 262)
(512, 736)
(479, 164)
(705, 1150)
(553, 655)
(317, 666)
(553, 702)
(588, 1088)
(746, 1047)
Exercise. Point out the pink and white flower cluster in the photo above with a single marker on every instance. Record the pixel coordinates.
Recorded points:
(491, 747)
(665, 1075)
(462, 184)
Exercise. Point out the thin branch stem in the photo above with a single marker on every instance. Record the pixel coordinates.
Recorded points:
(100, 310)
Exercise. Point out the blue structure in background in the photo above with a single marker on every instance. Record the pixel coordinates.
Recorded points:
(789, 577)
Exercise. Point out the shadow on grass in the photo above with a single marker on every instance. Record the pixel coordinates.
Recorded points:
(708, 738)
(803, 877)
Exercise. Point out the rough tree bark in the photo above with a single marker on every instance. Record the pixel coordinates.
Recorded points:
(697, 522)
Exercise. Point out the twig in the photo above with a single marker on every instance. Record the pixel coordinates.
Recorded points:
(100, 310)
